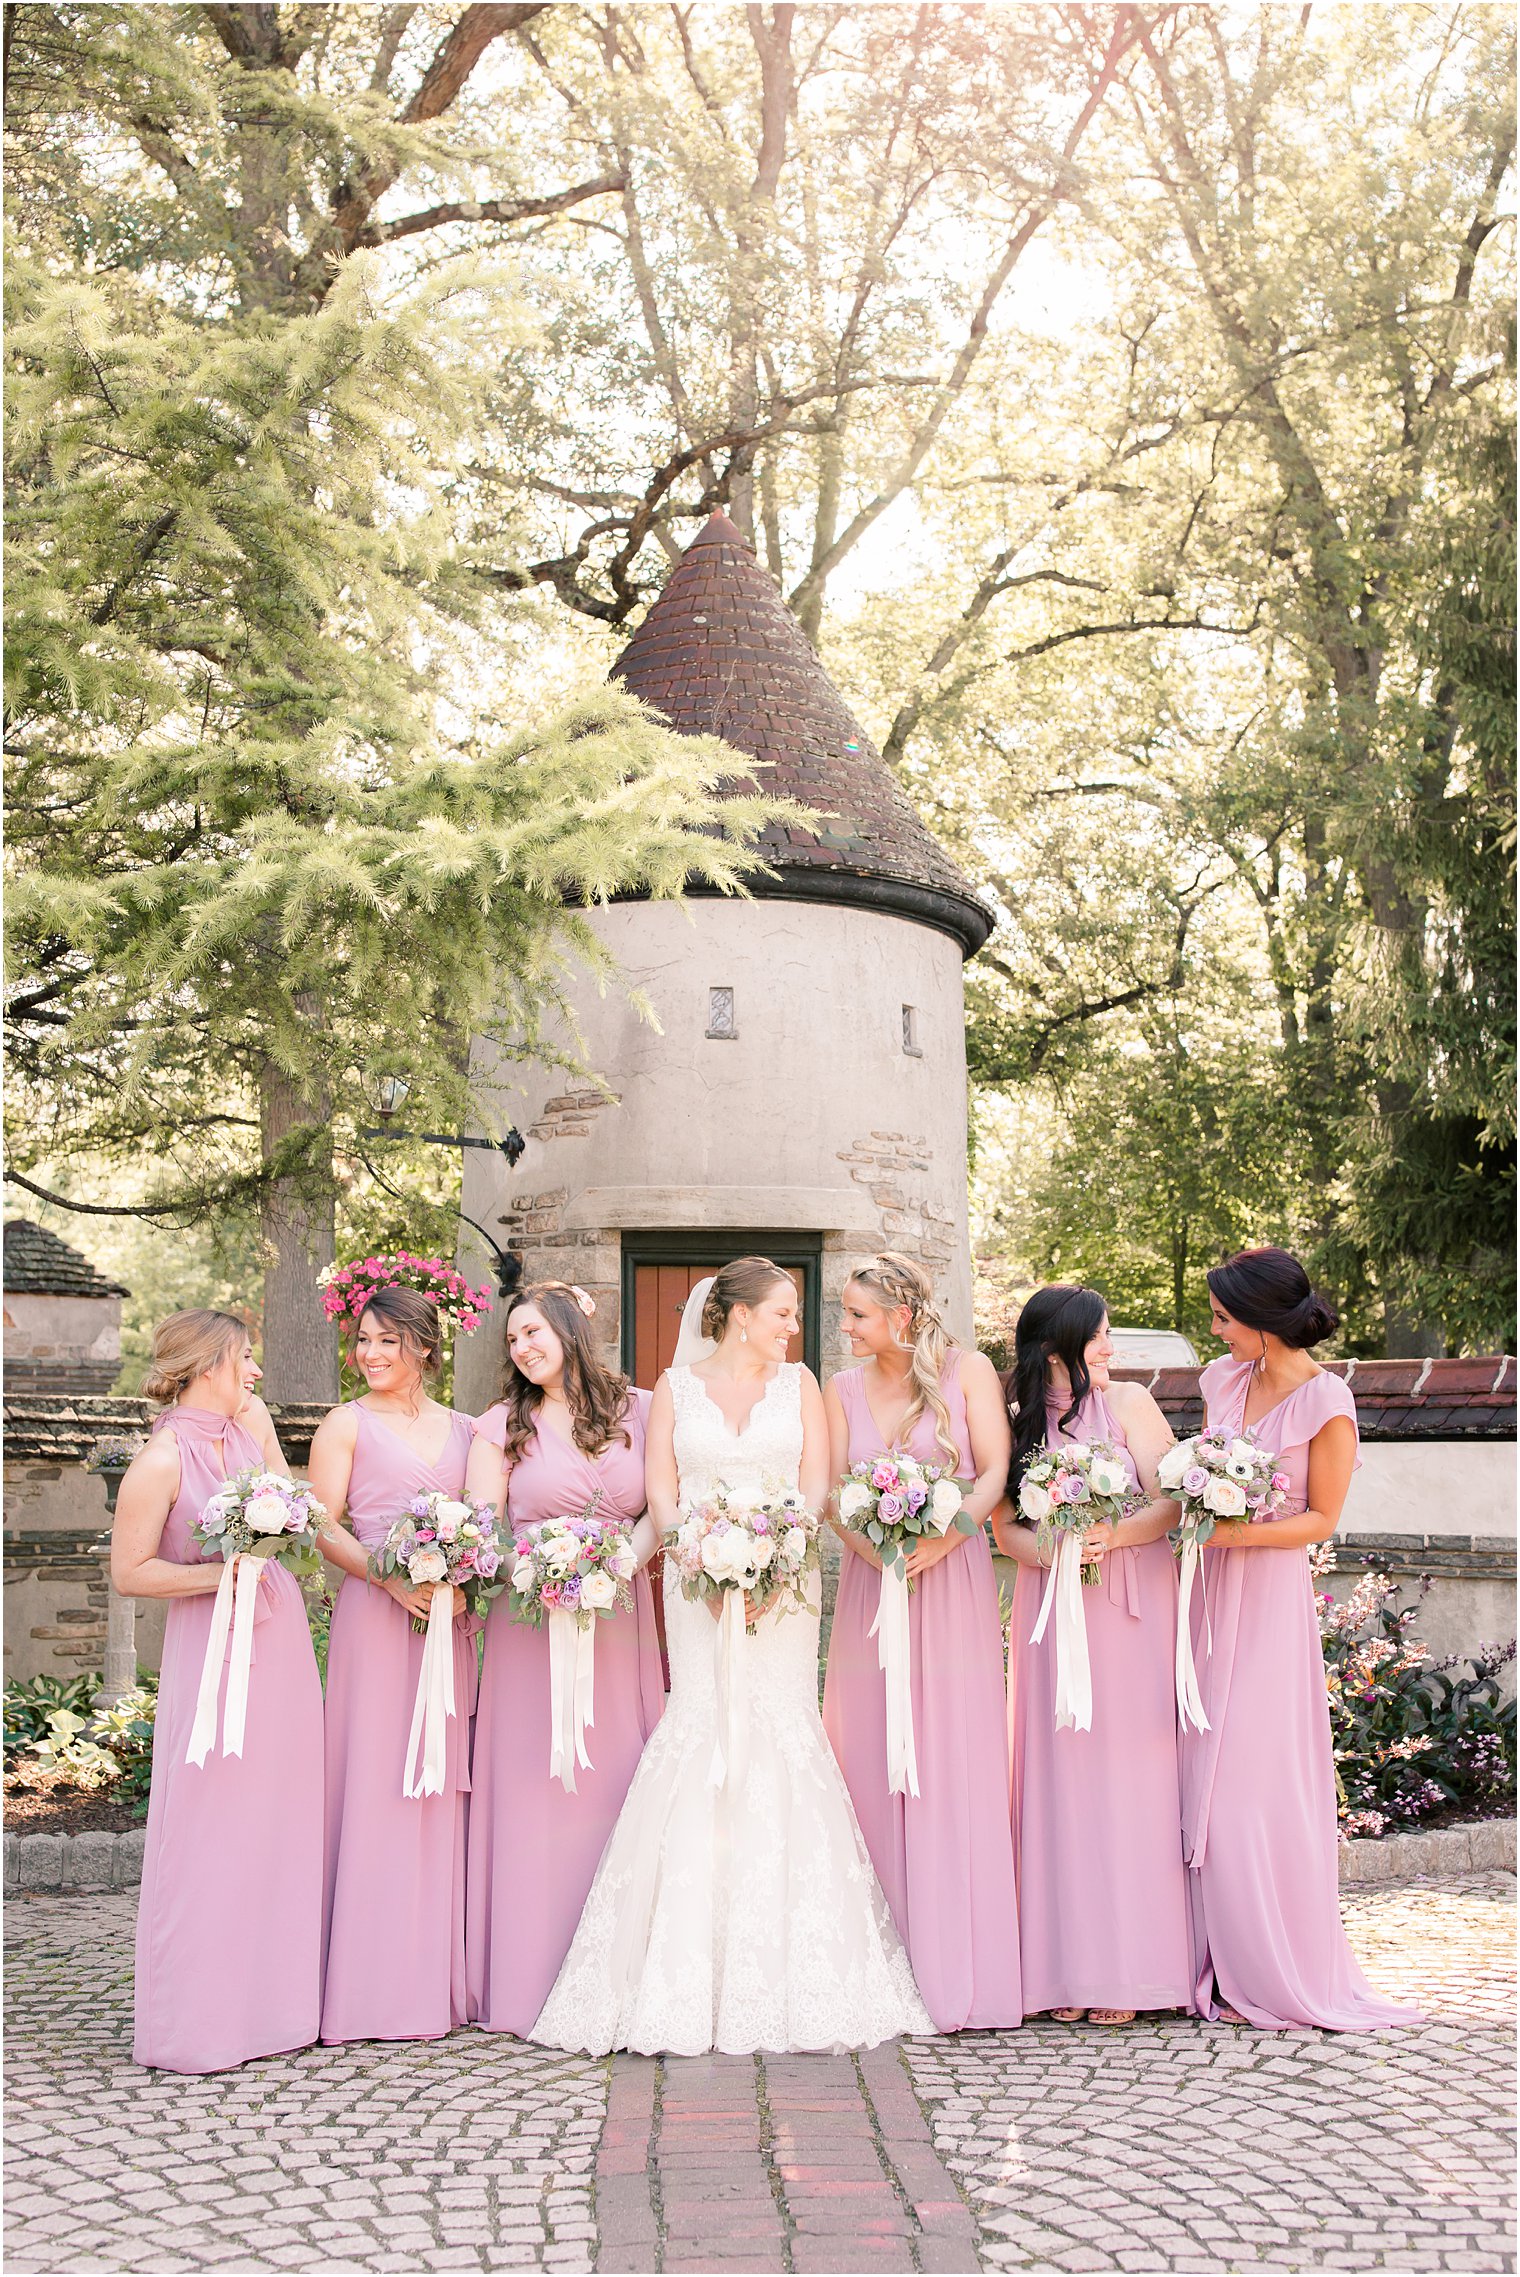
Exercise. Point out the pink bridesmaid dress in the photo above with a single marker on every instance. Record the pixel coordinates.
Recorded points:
(1259, 1818)
(945, 1857)
(534, 1847)
(229, 1953)
(1103, 1908)
(394, 1912)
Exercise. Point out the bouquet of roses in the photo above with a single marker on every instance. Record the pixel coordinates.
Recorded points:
(1213, 1475)
(1219, 1475)
(453, 1540)
(725, 1545)
(582, 1566)
(897, 1502)
(575, 1571)
(1073, 1485)
(256, 1516)
(443, 1537)
(731, 1542)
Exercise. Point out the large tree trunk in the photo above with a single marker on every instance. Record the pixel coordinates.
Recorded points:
(300, 1355)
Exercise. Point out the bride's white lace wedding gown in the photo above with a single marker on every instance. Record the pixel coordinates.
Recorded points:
(748, 1916)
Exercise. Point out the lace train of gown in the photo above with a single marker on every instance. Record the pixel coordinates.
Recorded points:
(735, 1920)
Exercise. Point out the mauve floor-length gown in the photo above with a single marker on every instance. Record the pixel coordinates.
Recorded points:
(229, 1950)
(944, 1857)
(534, 1847)
(1103, 1908)
(394, 1912)
(1259, 1812)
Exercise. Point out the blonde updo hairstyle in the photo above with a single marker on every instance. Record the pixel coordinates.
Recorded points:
(187, 1345)
(600, 1400)
(893, 1280)
(746, 1281)
(413, 1316)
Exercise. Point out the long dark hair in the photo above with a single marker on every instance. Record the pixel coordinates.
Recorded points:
(1057, 1323)
(1268, 1288)
(598, 1398)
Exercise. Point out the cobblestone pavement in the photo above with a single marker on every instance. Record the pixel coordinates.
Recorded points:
(1167, 2146)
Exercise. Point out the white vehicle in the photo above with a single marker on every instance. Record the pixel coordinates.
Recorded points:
(1152, 1348)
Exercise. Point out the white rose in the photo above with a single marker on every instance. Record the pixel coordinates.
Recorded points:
(457, 1512)
(1034, 1502)
(1173, 1463)
(266, 1513)
(1224, 1498)
(1108, 1477)
(428, 1565)
(598, 1590)
(762, 1553)
(717, 1555)
(794, 1544)
(854, 1498)
(1078, 1449)
(1244, 1450)
(945, 1504)
(522, 1575)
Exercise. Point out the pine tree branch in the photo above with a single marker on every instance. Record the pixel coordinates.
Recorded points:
(488, 209)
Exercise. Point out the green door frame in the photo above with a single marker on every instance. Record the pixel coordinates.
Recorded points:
(720, 1247)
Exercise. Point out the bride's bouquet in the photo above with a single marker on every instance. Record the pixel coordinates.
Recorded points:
(1215, 1474)
(256, 1516)
(898, 1502)
(1069, 1487)
(572, 1571)
(453, 1541)
(725, 1545)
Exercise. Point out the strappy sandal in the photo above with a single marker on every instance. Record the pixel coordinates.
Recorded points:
(1110, 2017)
(1067, 2015)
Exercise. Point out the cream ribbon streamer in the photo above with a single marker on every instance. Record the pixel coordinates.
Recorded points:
(731, 1675)
(890, 1629)
(572, 1694)
(232, 1609)
(434, 1704)
(1189, 1697)
(1063, 1591)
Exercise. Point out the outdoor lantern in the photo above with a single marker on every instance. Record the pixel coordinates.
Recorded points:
(392, 1095)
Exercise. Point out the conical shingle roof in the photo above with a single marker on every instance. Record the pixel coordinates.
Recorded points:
(38, 1263)
(721, 654)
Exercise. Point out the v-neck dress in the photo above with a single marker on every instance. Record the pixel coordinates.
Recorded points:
(1258, 1788)
(534, 1846)
(945, 1856)
(234, 1844)
(394, 1898)
(1103, 1905)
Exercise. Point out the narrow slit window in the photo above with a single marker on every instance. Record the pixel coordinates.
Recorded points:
(720, 1013)
(910, 1042)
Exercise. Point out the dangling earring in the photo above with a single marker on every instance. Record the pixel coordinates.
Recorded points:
(1261, 1365)
(744, 1336)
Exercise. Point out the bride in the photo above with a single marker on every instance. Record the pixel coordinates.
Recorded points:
(743, 1916)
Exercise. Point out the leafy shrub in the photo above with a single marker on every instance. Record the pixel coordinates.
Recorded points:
(29, 1704)
(1411, 1737)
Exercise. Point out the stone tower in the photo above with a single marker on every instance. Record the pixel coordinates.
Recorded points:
(805, 1092)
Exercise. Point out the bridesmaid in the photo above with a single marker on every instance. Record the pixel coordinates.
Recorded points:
(1102, 1887)
(393, 1920)
(945, 1857)
(1259, 1818)
(564, 1427)
(234, 1845)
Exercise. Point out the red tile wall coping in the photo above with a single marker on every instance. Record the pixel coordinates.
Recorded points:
(1395, 1399)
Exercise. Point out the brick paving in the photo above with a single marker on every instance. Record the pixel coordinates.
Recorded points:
(1167, 2146)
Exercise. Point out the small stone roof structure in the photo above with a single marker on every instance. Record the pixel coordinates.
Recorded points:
(1395, 1399)
(721, 654)
(37, 1263)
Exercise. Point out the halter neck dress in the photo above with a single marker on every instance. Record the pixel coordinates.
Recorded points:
(944, 1857)
(394, 1911)
(1259, 1810)
(235, 1843)
(533, 1845)
(1103, 1910)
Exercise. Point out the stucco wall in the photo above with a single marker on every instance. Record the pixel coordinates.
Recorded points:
(811, 1117)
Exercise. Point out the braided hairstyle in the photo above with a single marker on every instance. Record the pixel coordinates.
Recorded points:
(893, 1280)
(1057, 1323)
